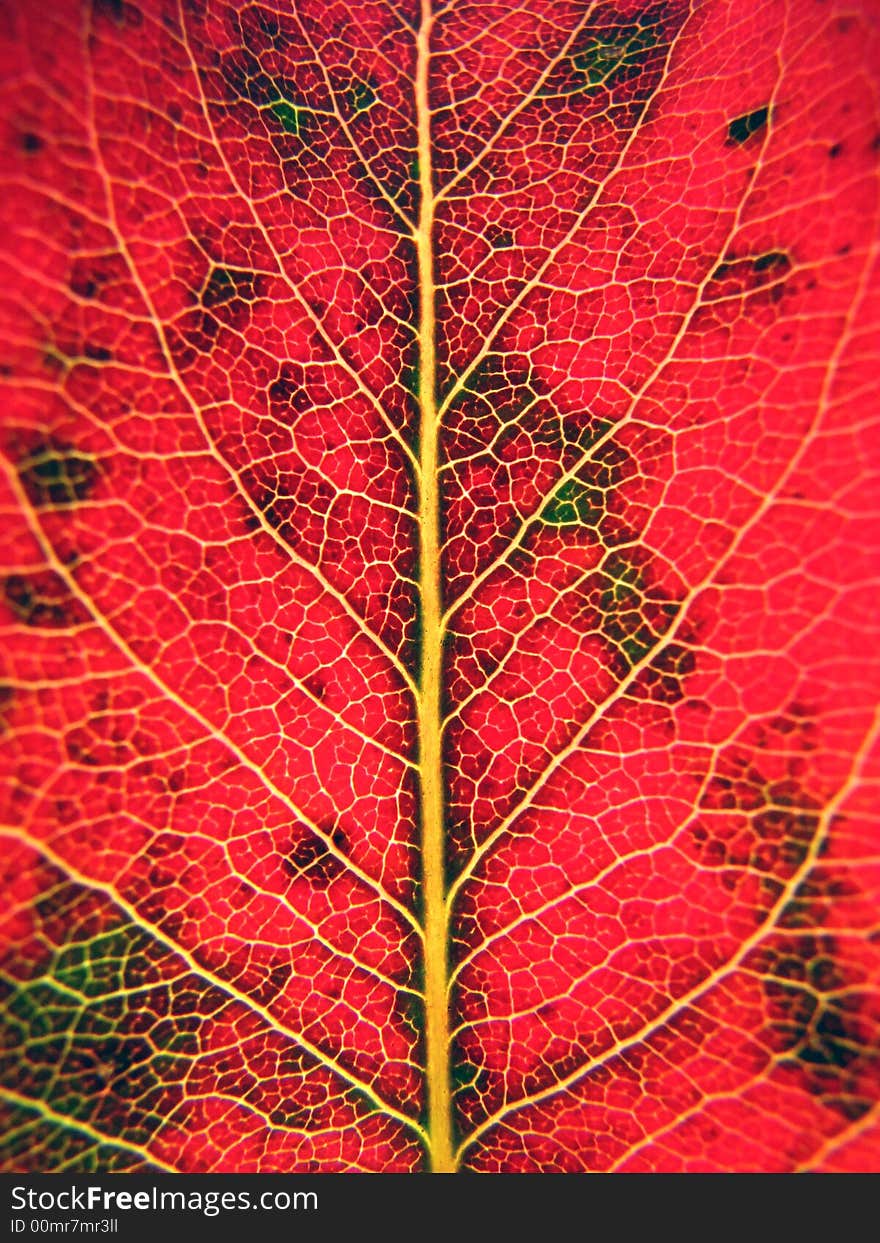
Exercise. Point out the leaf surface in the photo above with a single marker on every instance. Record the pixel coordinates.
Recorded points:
(439, 606)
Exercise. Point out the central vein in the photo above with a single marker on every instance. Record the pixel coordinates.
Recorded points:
(430, 754)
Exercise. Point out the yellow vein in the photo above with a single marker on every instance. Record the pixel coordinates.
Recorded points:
(429, 699)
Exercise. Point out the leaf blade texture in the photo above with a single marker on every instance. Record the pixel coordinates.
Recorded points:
(439, 668)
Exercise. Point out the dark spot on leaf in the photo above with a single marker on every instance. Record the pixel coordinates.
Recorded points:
(773, 259)
(737, 278)
(293, 120)
(629, 617)
(289, 388)
(574, 502)
(499, 238)
(663, 680)
(226, 285)
(52, 472)
(361, 96)
(109, 8)
(83, 286)
(835, 150)
(7, 696)
(43, 601)
(121, 12)
(742, 128)
(66, 811)
(266, 989)
(772, 822)
(196, 333)
(31, 142)
(268, 23)
(612, 52)
(820, 1021)
(310, 856)
(97, 353)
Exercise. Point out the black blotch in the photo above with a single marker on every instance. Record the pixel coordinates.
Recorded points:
(288, 388)
(114, 9)
(775, 821)
(7, 695)
(196, 333)
(740, 277)
(228, 285)
(310, 856)
(742, 128)
(835, 150)
(42, 601)
(83, 286)
(120, 12)
(266, 989)
(268, 23)
(504, 391)
(31, 142)
(662, 681)
(819, 1020)
(176, 780)
(276, 97)
(361, 96)
(53, 472)
(773, 259)
(499, 238)
(97, 353)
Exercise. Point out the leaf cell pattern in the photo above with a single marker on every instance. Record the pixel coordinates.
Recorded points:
(438, 716)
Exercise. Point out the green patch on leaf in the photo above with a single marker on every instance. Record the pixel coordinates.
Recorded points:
(361, 97)
(605, 58)
(625, 610)
(464, 1075)
(84, 1036)
(599, 60)
(574, 502)
(411, 378)
(33, 1141)
(292, 120)
(227, 284)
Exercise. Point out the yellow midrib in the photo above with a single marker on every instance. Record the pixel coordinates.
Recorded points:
(430, 754)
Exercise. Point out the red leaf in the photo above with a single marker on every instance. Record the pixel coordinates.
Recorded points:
(439, 707)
